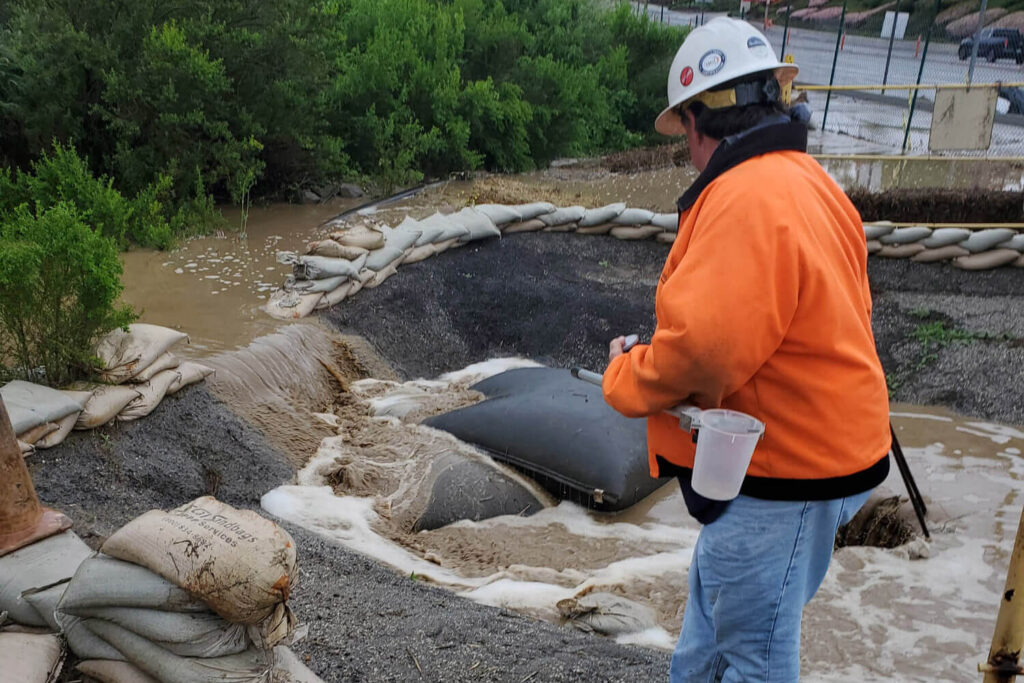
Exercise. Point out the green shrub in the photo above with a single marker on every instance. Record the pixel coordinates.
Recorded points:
(59, 284)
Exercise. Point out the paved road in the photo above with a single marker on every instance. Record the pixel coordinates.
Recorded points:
(862, 60)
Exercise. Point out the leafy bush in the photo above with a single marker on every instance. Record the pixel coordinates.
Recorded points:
(59, 283)
(240, 97)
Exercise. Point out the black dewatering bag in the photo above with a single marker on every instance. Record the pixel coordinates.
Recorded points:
(559, 431)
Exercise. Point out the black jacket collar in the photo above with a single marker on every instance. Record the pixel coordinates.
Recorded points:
(737, 149)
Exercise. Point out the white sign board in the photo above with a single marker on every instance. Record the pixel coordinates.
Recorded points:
(962, 119)
(901, 24)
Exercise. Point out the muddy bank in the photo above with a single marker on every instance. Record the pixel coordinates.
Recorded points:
(367, 623)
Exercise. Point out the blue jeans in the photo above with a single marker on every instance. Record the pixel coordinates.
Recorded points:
(753, 570)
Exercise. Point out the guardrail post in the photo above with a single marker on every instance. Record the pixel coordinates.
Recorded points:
(835, 60)
(785, 31)
(892, 38)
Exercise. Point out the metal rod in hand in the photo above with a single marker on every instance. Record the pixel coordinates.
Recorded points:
(920, 74)
(1004, 658)
(835, 61)
(908, 480)
(977, 40)
(892, 38)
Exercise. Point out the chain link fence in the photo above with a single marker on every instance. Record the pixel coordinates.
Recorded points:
(844, 43)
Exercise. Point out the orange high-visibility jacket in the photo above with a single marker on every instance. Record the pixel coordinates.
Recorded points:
(763, 307)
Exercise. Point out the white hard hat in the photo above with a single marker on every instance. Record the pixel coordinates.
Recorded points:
(718, 52)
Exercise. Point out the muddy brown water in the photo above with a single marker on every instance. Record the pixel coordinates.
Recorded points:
(212, 287)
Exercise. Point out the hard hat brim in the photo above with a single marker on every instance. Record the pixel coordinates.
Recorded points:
(669, 122)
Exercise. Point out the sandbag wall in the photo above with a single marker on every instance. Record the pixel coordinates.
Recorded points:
(138, 371)
(193, 595)
(355, 257)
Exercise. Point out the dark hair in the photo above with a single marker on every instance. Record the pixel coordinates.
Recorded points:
(719, 124)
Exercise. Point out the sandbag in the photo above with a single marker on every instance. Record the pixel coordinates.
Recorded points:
(332, 249)
(252, 666)
(604, 214)
(983, 240)
(398, 241)
(188, 373)
(900, 250)
(30, 405)
(30, 658)
(150, 395)
(417, 254)
(533, 210)
(906, 235)
(564, 227)
(107, 671)
(336, 296)
(431, 228)
(26, 449)
(83, 642)
(359, 235)
(124, 354)
(873, 231)
(568, 214)
(987, 259)
(607, 613)
(321, 267)
(940, 254)
(167, 361)
(286, 305)
(874, 246)
(525, 226)
(44, 601)
(561, 432)
(666, 237)
(1019, 263)
(634, 217)
(58, 435)
(240, 564)
(944, 237)
(380, 276)
(1015, 242)
(600, 229)
(326, 285)
(106, 402)
(468, 489)
(450, 230)
(289, 669)
(41, 564)
(444, 246)
(666, 221)
(477, 224)
(187, 634)
(640, 232)
(38, 432)
(102, 581)
(500, 214)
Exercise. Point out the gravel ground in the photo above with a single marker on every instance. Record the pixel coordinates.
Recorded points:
(557, 298)
(367, 623)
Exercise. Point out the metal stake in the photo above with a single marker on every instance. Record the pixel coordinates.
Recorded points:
(920, 74)
(785, 30)
(835, 60)
(977, 39)
(892, 37)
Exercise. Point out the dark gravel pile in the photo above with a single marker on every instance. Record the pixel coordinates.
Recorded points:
(939, 204)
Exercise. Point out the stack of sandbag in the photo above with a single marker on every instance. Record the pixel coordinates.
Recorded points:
(194, 595)
(358, 256)
(41, 417)
(966, 249)
(139, 370)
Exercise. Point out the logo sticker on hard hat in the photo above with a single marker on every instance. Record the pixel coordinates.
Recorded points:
(686, 77)
(712, 62)
(757, 45)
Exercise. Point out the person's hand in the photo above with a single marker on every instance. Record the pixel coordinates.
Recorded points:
(616, 348)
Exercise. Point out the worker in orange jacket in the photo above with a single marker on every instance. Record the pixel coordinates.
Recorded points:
(762, 307)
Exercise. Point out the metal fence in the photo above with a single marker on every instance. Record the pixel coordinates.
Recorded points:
(846, 58)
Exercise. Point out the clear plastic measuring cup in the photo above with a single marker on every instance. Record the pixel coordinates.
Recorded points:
(725, 444)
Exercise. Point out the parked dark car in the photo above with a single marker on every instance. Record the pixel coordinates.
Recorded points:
(996, 43)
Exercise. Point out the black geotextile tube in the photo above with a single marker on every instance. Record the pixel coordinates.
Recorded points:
(935, 205)
(559, 431)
